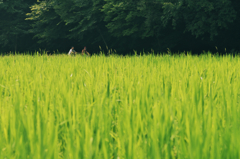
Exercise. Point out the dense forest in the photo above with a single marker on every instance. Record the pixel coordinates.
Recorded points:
(120, 25)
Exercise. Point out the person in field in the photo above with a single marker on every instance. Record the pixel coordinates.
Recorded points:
(72, 51)
(84, 51)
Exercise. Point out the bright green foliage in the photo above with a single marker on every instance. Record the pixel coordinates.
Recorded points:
(119, 107)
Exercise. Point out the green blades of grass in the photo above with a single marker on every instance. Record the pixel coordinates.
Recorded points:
(178, 107)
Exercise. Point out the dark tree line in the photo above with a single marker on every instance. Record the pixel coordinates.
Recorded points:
(121, 25)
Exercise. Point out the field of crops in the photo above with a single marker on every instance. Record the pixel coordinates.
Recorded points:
(140, 107)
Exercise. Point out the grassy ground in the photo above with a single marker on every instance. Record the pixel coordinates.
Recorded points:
(182, 107)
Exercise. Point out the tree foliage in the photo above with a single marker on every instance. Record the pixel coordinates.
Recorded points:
(13, 26)
(200, 17)
(122, 25)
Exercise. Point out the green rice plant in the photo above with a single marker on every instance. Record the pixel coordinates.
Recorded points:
(114, 107)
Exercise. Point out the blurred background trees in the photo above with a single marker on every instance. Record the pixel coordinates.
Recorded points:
(121, 25)
(14, 29)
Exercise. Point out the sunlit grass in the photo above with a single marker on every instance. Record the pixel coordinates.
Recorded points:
(119, 107)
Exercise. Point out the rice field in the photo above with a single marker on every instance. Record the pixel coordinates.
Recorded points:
(139, 107)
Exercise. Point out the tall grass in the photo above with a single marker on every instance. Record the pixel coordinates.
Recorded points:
(141, 107)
